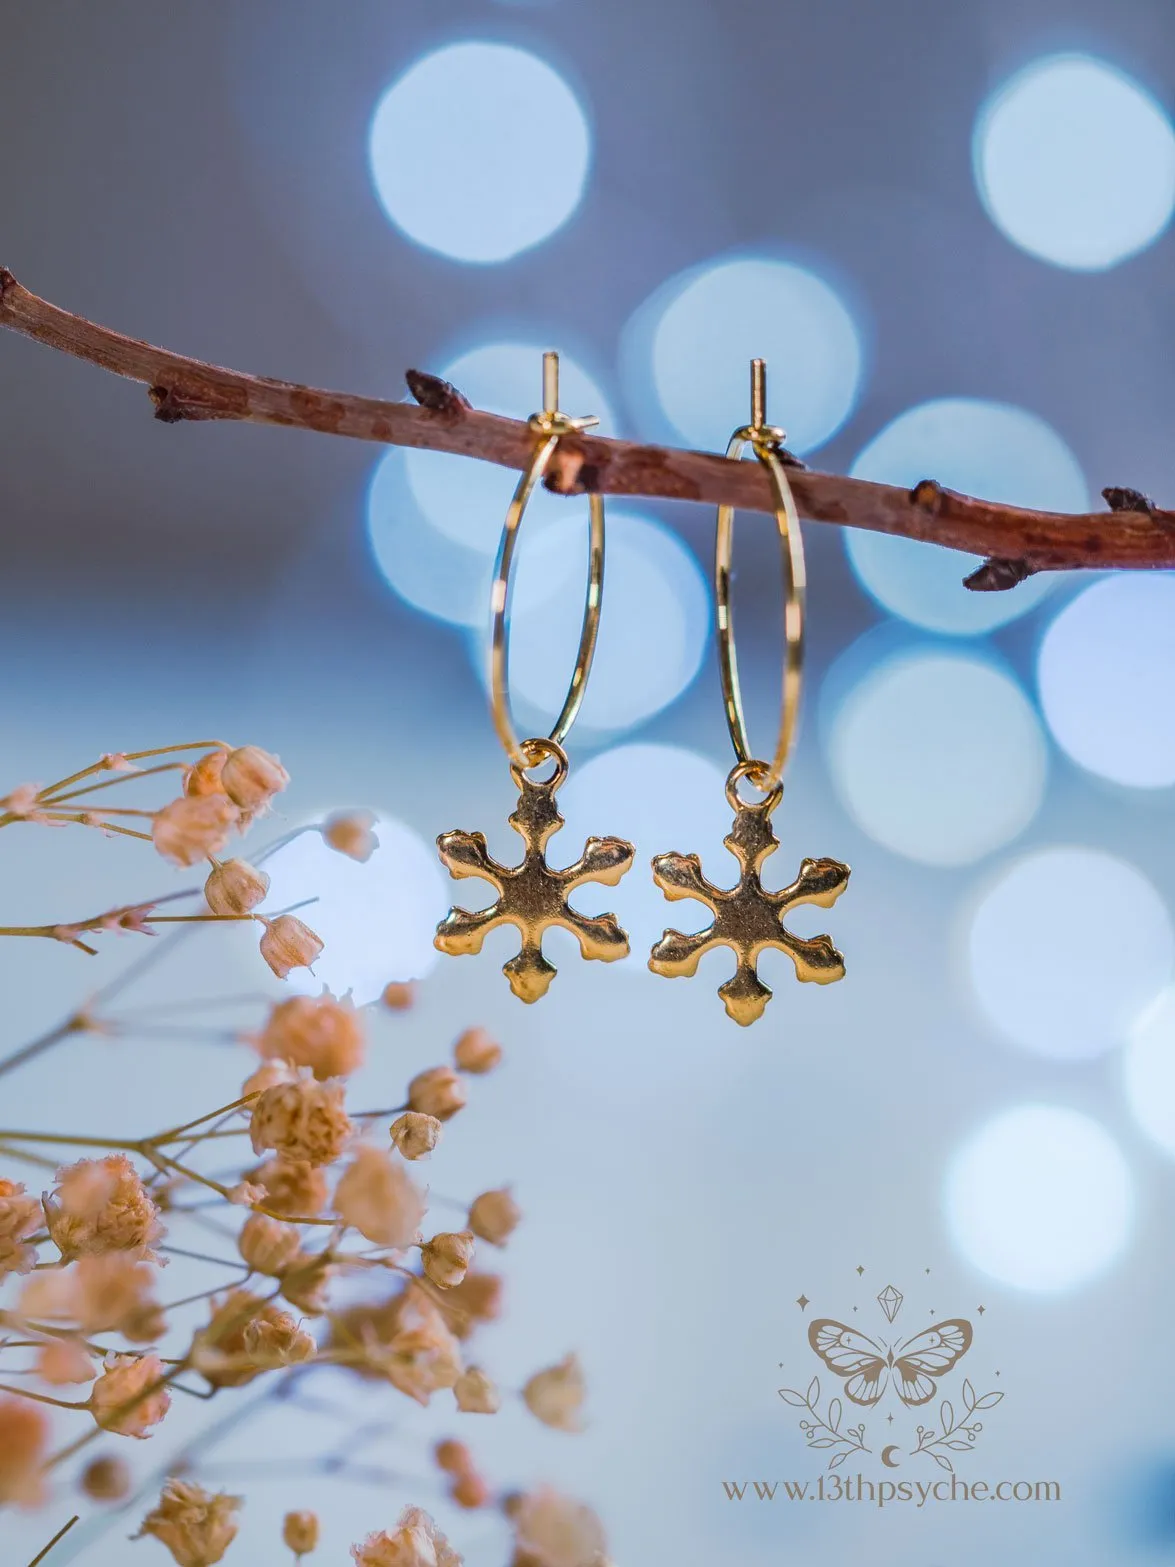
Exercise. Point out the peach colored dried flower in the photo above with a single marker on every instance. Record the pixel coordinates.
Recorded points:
(235, 887)
(106, 1479)
(476, 1051)
(551, 1530)
(195, 1526)
(350, 833)
(20, 1217)
(22, 803)
(203, 777)
(246, 1194)
(453, 1457)
(101, 1205)
(292, 1186)
(24, 1436)
(245, 1336)
(288, 944)
(63, 1362)
(114, 1293)
(399, 995)
(416, 1542)
(314, 1031)
(251, 777)
(302, 1120)
(193, 827)
(378, 1197)
(447, 1257)
(268, 1245)
(422, 1356)
(268, 1075)
(494, 1216)
(306, 1282)
(555, 1396)
(478, 1298)
(439, 1091)
(300, 1533)
(469, 1490)
(127, 1397)
(476, 1393)
(415, 1135)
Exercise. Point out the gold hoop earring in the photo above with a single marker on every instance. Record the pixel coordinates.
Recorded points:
(747, 918)
(532, 896)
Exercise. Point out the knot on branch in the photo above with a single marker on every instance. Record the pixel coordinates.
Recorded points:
(7, 281)
(928, 495)
(1121, 498)
(997, 576)
(174, 405)
(440, 397)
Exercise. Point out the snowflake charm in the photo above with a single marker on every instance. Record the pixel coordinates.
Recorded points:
(533, 896)
(747, 918)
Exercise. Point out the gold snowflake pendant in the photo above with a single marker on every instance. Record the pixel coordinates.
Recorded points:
(533, 896)
(748, 918)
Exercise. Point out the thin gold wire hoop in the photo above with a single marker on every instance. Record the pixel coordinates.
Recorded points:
(765, 441)
(550, 426)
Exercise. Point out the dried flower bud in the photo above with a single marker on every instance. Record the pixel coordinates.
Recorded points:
(417, 1542)
(128, 1397)
(193, 828)
(300, 1533)
(288, 944)
(245, 1336)
(195, 1526)
(475, 1393)
(101, 1205)
(470, 1490)
(20, 1217)
(268, 1075)
(378, 1197)
(494, 1216)
(314, 1031)
(453, 1456)
(106, 1479)
(246, 1194)
(555, 1396)
(251, 777)
(350, 833)
(235, 887)
(438, 1091)
(292, 1187)
(399, 996)
(63, 1362)
(268, 1245)
(476, 1051)
(24, 1436)
(447, 1257)
(551, 1530)
(302, 1120)
(415, 1135)
(113, 1293)
(203, 777)
(306, 1282)
(478, 1298)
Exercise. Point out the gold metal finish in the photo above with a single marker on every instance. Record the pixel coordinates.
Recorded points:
(532, 896)
(748, 918)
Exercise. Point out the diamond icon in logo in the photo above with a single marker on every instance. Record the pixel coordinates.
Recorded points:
(890, 1300)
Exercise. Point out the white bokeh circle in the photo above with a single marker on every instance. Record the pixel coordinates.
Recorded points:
(457, 151)
(1067, 949)
(1040, 1198)
(994, 450)
(938, 756)
(1107, 679)
(1075, 162)
(425, 567)
(376, 919)
(1148, 1072)
(717, 318)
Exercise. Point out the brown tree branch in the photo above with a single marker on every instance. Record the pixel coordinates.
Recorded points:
(1134, 534)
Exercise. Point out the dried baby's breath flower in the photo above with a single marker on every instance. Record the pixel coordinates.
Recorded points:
(292, 1186)
(24, 1436)
(447, 1257)
(378, 1197)
(20, 1217)
(453, 1456)
(399, 995)
(317, 1032)
(478, 1298)
(203, 777)
(195, 1526)
(114, 1293)
(268, 1075)
(551, 1530)
(494, 1216)
(439, 1091)
(476, 1051)
(101, 1205)
(415, 1135)
(22, 802)
(476, 1393)
(235, 887)
(251, 777)
(555, 1396)
(246, 1194)
(469, 1490)
(128, 1397)
(350, 833)
(268, 1245)
(405, 1341)
(63, 1362)
(193, 827)
(245, 1336)
(300, 1533)
(288, 944)
(302, 1120)
(106, 1479)
(306, 1282)
(416, 1542)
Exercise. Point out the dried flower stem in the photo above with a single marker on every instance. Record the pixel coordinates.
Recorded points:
(56, 1540)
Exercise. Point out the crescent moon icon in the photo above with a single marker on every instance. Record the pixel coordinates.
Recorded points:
(887, 1460)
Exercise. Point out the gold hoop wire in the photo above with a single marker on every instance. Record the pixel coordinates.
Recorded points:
(550, 426)
(766, 442)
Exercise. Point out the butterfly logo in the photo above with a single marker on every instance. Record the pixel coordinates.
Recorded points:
(866, 1366)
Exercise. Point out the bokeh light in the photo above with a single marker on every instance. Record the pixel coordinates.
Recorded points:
(1067, 950)
(1149, 1072)
(1075, 162)
(455, 151)
(716, 318)
(938, 756)
(1107, 674)
(1040, 1198)
(992, 450)
(428, 569)
(376, 919)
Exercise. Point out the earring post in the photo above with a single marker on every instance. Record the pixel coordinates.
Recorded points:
(758, 393)
(551, 382)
